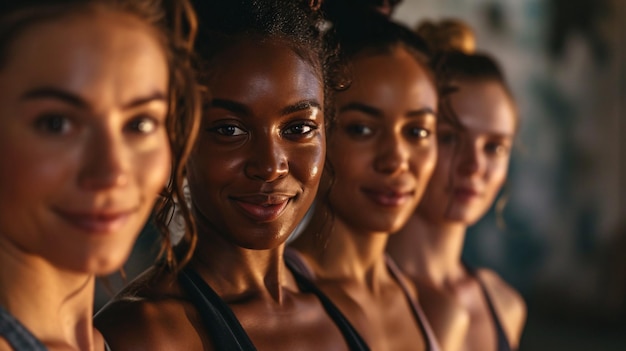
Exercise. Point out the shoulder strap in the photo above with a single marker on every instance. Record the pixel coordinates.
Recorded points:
(353, 339)
(503, 340)
(418, 314)
(222, 325)
(294, 261)
(17, 335)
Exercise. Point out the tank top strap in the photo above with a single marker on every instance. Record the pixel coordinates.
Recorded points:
(352, 337)
(222, 325)
(420, 317)
(294, 261)
(503, 340)
(18, 337)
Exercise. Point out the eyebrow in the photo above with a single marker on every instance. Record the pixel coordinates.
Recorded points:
(377, 113)
(301, 106)
(241, 109)
(78, 101)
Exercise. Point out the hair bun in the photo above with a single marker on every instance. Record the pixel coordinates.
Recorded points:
(448, 35)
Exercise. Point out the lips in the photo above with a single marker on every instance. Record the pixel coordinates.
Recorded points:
(96, 222)
(389, 197)
(262, 207)
(465, 194)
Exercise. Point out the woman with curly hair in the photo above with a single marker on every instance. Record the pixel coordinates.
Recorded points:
(90, 112)
(253, 174)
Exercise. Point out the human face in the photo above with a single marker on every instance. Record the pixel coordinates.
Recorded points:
(473, 161)
(83, 150)
(257, 163)
(383, 149)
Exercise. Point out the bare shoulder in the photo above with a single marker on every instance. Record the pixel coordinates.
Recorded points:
(448, 318)
(4, 345)
(508, 303)
(151, 313)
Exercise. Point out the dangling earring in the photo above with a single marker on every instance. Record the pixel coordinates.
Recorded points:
(501, 203)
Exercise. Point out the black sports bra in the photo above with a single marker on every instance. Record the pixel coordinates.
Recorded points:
(224, 327)
(293, 258)
(503, 340)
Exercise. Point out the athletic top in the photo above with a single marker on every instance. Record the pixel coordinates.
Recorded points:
(224, 327)
(293, 258)
(420, 317)
(18, 337)
(503, 341)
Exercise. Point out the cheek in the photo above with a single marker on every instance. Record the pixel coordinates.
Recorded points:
(442, 170)
(307, 162)
(497, 172)
(425, 161)
(33, 173)
(210, 167)
(349, 161)
(152, 168)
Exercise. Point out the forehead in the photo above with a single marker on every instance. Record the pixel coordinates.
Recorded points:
(390, 76)
(100, 53)
(248, 71)
(483, 106)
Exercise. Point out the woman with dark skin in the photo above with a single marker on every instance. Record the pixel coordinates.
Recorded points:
(468, 309)
(85, 149)
(381, 153)
(252, 176)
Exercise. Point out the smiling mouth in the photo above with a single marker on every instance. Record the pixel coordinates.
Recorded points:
(389, 198)
(465, 194)
(262, 208)
(96, 222)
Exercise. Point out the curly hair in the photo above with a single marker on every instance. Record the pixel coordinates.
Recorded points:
(298, 24)
(173, 23)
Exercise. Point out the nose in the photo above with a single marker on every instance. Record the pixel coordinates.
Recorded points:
(268, 160)
(104, 162)
(470, 160)
(393, 154)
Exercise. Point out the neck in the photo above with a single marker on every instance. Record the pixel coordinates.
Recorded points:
(429, 251)
(55, 305)
(346, 254)
(235, 272)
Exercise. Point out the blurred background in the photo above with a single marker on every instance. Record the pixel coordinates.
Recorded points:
(564, 243)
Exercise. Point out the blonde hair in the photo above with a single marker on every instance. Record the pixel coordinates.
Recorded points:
(448, 35)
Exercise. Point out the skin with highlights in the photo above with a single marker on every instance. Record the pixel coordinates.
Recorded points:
(383, 151)
(258, 162)
(84, 155)
(471, 170)
(252, 176)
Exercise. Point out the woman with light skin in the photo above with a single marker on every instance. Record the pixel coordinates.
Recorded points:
(252, 176)
(469, 309)
(381, 153)
(86, 91)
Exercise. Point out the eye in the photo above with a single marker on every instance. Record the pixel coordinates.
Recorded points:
(53, 124)
(496, 148)
(359, 130)
(300, 129)
(143, 125)
(228, 130)
(418, 132)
